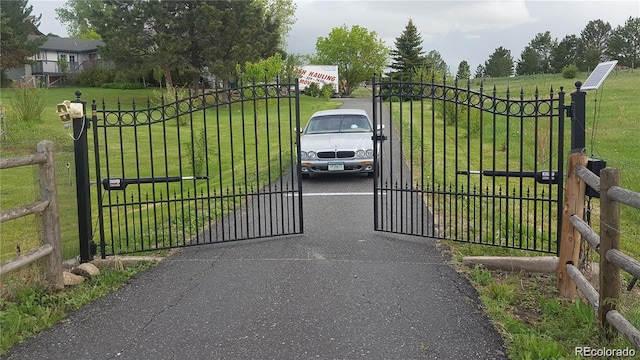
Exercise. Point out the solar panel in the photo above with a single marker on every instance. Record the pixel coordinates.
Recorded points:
(597, 76)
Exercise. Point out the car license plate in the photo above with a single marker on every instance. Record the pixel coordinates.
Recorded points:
(336, 166)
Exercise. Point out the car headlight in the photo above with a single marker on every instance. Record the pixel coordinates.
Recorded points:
(369, 153)
(360, 153)
(307, 155)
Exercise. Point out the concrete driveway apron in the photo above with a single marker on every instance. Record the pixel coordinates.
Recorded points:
(340, 291)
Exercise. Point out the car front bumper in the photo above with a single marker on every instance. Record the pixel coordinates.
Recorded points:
(337, 166)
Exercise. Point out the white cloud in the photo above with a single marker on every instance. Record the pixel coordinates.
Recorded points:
(458, 29)
(441, 17)
(388, 18)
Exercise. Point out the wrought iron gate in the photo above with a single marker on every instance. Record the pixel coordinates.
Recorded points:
(463, 165)
(198, 168)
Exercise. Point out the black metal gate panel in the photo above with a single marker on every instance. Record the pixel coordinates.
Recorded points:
(462, 165)
(197, 168)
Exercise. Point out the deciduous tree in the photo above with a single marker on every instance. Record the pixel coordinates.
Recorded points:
(358, 53)
(76, 15)
(281, 12)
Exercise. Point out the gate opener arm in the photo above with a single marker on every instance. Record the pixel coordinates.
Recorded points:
(121, 183)
(543, 177)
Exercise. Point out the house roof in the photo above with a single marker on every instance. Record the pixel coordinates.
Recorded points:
(71, 44)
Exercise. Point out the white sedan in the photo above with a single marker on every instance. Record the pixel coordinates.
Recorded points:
(337, 141)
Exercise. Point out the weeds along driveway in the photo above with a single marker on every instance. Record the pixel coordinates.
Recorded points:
(340, 291)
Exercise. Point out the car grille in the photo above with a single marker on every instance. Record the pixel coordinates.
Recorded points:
(335, 155)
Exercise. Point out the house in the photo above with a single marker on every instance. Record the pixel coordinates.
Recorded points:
(57, 57)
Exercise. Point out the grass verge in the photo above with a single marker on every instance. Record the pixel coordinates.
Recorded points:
(27, 310)
(536, 323)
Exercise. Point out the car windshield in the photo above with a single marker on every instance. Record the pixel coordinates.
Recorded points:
(338, 124)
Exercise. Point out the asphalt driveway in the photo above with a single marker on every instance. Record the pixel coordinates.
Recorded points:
(340, 291)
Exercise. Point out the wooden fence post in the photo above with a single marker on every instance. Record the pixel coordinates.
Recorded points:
(570, 238)
(609, 239)
(50, 216)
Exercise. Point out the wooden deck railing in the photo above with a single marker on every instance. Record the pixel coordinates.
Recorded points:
(48, 206)
(606, 243)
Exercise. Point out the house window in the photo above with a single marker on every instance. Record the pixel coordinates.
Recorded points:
(63, 57)
(72, 58)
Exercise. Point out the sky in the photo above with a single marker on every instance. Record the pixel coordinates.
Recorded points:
(457, 29)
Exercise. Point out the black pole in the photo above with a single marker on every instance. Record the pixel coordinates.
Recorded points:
(578, 118)
(83, 192)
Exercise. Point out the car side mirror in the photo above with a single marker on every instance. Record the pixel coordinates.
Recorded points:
(298, 130)
(380, 127)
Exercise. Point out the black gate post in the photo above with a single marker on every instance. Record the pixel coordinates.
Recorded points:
(578, 118)
(376, 168)
(83, 192)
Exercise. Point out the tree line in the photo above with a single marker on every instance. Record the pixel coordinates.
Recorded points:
(597, 42)
(543, 55)
(178, 42)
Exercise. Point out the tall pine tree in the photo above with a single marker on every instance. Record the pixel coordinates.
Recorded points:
(500, 63)
(464, 70)
(407, 54)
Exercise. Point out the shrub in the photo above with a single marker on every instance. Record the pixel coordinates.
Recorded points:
(93, 77)
(569, 71)
(312, 90)
(4, 80)
(176, 100)
(327, 91)
(123, 86)
(471, 123)
(451, 111)
(197, 153)
(27, 104)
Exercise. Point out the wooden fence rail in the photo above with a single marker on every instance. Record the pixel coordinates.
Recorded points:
(51, 249)
(607, 244)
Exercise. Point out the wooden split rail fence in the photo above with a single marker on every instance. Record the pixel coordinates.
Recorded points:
(47, 205)
(606, 243)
